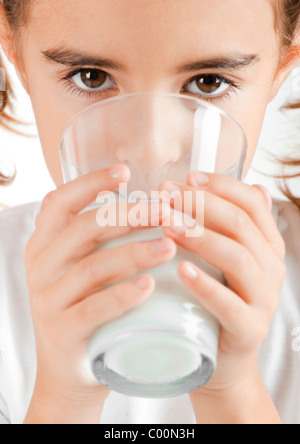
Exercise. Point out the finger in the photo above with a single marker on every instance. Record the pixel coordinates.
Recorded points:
(239, 267)
(84, 318)
(84, 235)
(225, 218)
(267, 196)
(248, 198)
(107, 267)
(230, 310)
(64, 203)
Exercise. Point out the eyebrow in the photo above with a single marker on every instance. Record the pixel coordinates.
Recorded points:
(237, 61)
(74, 58)
(71, 57)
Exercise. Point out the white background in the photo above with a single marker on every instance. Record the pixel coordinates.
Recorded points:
(280, 136)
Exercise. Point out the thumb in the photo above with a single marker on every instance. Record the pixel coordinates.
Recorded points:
(267, 195)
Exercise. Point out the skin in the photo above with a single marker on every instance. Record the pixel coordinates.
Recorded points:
(245, 244)
(164, 41)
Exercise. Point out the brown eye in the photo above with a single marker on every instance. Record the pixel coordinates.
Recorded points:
(92, 78)
(209, 84)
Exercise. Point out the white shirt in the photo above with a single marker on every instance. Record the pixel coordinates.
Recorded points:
(279, 355)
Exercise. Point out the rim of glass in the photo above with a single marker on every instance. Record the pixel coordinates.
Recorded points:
(201, 102)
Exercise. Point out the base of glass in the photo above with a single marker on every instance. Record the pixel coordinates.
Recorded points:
(152, 365)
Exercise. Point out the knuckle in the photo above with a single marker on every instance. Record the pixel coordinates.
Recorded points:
(208, 289)
(59, 202)
(258, 198)
(91, 308)
(138, 256)
(83, 313)
(57, 196)
(232, 309)
(124, 299)
(78, 224)
(121, 300)
(244, 259)
(47, 199)
(202, 240)
(88, 266)
(259, 327)
(241, 221)
(242, 265)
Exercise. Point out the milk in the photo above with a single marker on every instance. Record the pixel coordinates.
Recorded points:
(167, 345)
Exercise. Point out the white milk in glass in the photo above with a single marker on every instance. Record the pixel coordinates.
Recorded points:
(168, 345)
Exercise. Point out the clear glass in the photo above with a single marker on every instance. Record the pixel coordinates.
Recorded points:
(168, 345)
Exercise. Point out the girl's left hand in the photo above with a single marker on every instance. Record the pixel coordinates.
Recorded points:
(240, 239)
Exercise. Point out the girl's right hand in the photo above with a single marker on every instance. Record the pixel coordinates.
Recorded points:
(65, 278)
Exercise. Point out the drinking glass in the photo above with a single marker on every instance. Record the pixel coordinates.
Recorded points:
(168, 345)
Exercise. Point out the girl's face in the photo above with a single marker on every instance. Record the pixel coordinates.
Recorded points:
(76, 53)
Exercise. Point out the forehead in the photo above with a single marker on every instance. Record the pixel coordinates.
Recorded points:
(158, 29)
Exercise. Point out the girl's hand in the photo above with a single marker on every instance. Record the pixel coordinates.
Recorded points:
(65, 278)
(241, 239)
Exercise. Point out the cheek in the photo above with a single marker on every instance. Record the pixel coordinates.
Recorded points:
(252, 127)
(250, 112)
(50, 124)
(53, 109)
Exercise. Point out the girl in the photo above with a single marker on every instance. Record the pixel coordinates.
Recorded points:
(70, 54)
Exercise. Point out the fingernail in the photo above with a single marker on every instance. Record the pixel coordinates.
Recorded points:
(118, 172)
(200, 179)
(141, 283)
(189, 271)
(163, 245)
